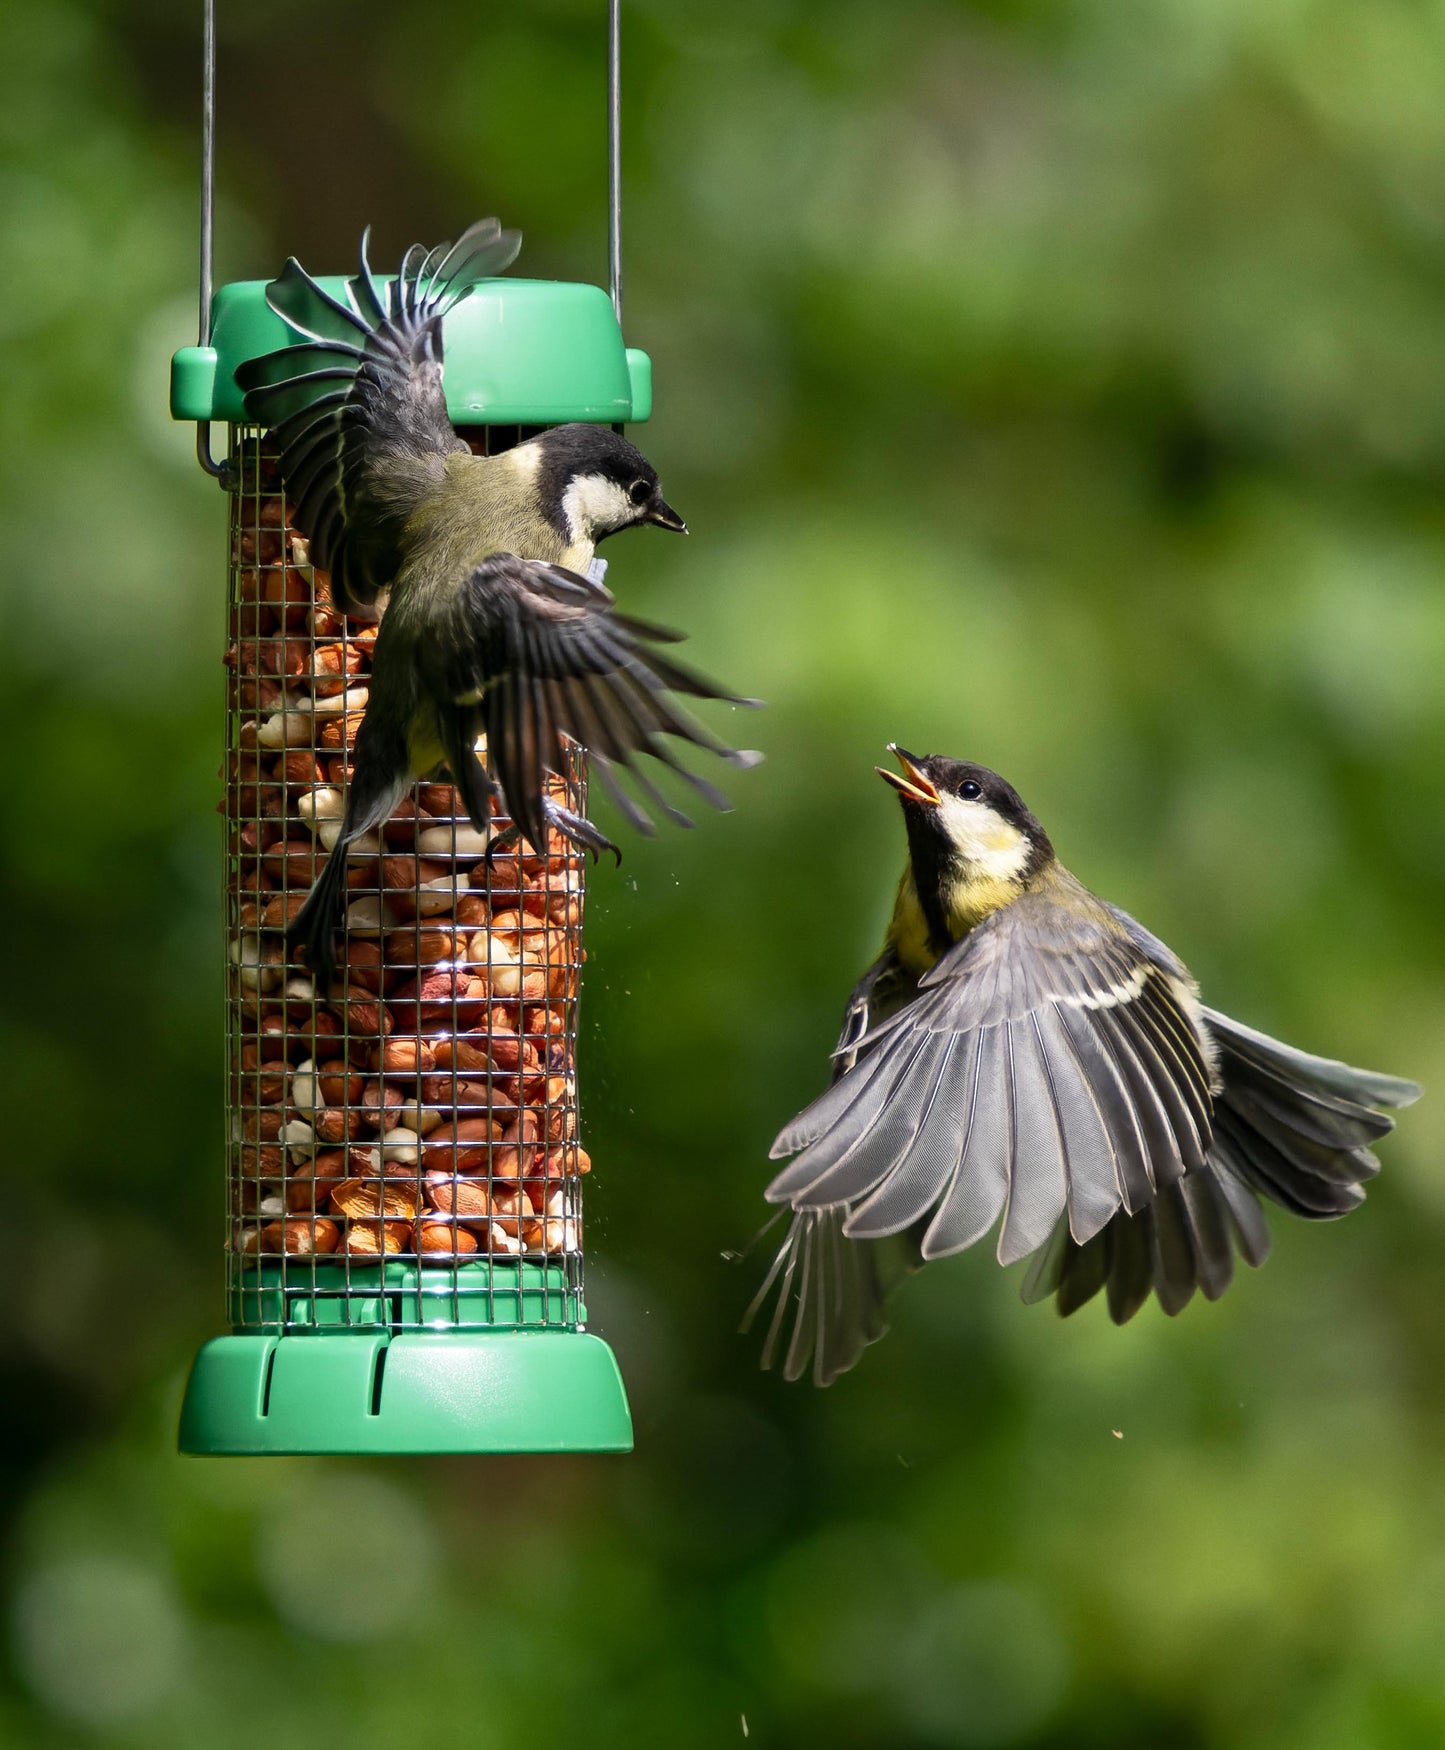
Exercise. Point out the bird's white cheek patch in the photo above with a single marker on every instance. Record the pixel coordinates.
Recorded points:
(592, 502)
(989, 844)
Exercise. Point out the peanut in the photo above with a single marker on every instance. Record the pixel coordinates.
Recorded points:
(365, 1199)
(405, 1057)
(300, 1238)
(460, 1147)
(373, 1238)
(446, 1237)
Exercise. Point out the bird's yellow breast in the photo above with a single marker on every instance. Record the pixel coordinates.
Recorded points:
(424, 742)
(967, 900)
(908, 933)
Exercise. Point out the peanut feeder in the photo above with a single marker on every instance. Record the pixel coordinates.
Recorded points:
(404, 1169)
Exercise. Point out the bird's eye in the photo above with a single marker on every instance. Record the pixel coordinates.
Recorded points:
(639, 491)
(970, 790)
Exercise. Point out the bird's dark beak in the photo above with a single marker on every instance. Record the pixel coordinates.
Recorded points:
(659, 511)
(915, 785)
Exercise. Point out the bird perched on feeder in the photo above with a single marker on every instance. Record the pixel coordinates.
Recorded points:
(1024, 1050)
(491, 625)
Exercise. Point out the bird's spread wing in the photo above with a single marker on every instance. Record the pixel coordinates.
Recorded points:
(830, 1290)
(540, 655)
(1186, 1239)
(830, 1293)
(881, 992)
(1288, 1126)
(1049, 1065)
(357, 405)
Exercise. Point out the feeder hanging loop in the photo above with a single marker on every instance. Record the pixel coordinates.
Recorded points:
(217, 470)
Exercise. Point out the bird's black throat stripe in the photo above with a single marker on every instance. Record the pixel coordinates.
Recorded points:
(933, 867)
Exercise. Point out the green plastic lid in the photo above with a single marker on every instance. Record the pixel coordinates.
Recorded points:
(518, 352)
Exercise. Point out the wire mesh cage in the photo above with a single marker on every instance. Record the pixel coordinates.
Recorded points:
(422, 1113)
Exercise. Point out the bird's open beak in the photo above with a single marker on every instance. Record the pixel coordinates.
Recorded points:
(662, 513)
(915, 785)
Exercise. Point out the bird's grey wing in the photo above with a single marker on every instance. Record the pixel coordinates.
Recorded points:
(1186, 1239)
(858, 1013)
(830, 1290)
(537, 656)
(829, 1297)
(1047, 1066)
(1288, 1126)
(357, 406)
(880, 993)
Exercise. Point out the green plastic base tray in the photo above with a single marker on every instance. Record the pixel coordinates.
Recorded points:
(415, 1392)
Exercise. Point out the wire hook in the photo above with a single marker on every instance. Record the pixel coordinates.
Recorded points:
(217, 470)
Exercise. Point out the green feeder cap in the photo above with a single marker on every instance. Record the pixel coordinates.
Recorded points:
(518, 352)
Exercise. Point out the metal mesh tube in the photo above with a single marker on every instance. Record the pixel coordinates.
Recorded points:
(403, 1149)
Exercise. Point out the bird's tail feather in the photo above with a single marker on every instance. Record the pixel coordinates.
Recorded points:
(1185, 1239)
(1297, 1128)
(314, 927)
(1287, 1126)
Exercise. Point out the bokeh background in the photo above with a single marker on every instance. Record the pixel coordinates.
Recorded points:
(1056, 382)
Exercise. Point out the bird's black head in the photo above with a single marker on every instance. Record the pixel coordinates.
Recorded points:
(969, 832)
(593, 483)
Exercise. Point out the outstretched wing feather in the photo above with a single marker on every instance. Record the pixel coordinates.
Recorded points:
(367, 375)
(1086, 1089)
(550, 663)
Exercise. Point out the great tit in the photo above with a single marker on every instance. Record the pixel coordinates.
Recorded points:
(1024, 1053)
(491, 625)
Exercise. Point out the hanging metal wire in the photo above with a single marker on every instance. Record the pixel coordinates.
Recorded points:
(218, 470)
(208, 218)
(614, 154)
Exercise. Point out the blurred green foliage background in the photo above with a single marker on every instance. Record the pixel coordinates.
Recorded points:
(1055, 382)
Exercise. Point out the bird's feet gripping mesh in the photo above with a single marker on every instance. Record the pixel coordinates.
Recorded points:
(574, 827)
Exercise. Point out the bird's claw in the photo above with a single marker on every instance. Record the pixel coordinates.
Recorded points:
(575, 828)
(578, 830)
(500, 840)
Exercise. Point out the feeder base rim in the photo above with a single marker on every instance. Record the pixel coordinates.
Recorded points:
(507, 1391)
